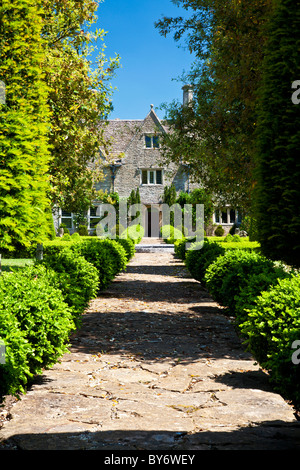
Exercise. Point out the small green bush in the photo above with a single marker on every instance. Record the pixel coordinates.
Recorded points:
(228, 238)
(170, 234)
(116, 231)
(41, 321)
(228, 274)
(256, 284)
(75, 235)
(108, 256)
(197, 261)
(272, 326)
(179, 248)
(77, 278)
(15, 372)
(219, 232)
(83, 231)
(232, 238)
(134, 232)
(128, 246)
(66, 237)
(54, 247)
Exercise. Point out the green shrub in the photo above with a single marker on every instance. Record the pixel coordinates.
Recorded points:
(66, 237)
(77, 278)
(237, 238)
(228, 274)
(75, 235)
(39, 316)
(197, 261)
(256, 284)
(108, 256)
(232, 238)
(272, 326)
(15, 372)
(170, 234)
(219, 232)
(228, 238)
(179, 248)
(54, 247)
(134, 232)
(83, 231)
(116, 230)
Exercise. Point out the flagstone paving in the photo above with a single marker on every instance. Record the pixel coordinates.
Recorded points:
(156, 365)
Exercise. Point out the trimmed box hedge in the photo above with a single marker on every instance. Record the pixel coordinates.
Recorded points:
(264, 297)
(42, 304)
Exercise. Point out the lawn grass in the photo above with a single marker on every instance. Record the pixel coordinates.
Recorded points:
(13, 264)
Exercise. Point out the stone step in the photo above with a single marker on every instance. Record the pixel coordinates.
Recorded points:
(153, 248)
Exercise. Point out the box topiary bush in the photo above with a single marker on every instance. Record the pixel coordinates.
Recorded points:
(40, 321)
(128, 246)
(54, 247)
(108, 256)
(15, 372)
(77, 278)
(170, 234)
(256, 284)
(229, 274)
(179, 248)
(272, 326)
(197, 261)
(134, 232)
(219, 232)
(83, 231)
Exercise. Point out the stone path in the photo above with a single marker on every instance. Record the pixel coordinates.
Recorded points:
(156, 365)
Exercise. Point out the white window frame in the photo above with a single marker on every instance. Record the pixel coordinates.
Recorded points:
(227, 210)
(154, 171)
(69, 217)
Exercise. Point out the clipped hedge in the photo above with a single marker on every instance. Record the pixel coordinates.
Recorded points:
(134, 232)
(255, 285)
(264, 297)
(170, 234)
(41, 304)
(272, 325)
(128, 246)
(77, 278)
(229, 273)
(108, 256)
(197, 261)
(35, 324)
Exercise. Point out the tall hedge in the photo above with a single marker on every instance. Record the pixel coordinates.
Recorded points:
(277, 192)
(24, 124)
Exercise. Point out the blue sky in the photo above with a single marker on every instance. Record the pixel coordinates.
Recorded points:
(150, 62)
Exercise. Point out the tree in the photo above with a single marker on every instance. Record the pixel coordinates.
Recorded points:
(277, 192)
(24, 126)
(80, 98)
(215, 134)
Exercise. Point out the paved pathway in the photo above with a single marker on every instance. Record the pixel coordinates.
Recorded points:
(156, 365)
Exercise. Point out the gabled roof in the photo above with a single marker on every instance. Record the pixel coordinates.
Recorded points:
(120, 133)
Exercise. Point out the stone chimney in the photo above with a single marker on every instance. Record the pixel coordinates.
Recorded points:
(187, 94)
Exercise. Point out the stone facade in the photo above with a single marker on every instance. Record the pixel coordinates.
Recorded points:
(132, 159)
(135, 160)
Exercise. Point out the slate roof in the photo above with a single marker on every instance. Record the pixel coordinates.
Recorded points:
(120, 132)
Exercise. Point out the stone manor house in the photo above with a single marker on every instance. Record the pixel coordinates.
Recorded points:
(135, 162)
